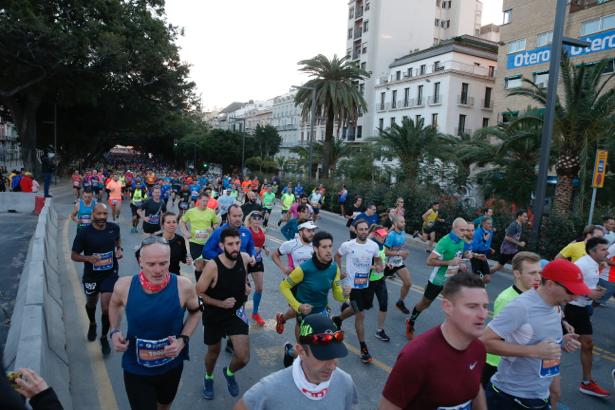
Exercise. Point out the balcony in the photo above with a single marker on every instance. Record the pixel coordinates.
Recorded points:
(465, 101)
(578, 5)
(358, 13)
(486, 105)
(420, 102)
(384, 107)
(460, 131)
(434, 100)
(357, 32)
(356, 54)
(408, 102)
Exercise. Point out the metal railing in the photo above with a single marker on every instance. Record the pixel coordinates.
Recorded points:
(434, 99)
(464, 100)
(358, 12)
(357, 32)
(459, 131)
(419, 102)
(486, 104)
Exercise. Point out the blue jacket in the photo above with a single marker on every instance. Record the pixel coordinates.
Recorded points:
(212, 247)
(481, 243)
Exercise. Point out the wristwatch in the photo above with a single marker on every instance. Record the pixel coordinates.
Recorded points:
(185, 338)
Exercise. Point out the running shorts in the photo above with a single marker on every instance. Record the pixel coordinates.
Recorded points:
(579, 318)
(103, 285)
(379, 289)
(231, 325)
(505, 258)
(432, 291)
(144, 392)
(480, 267)
(390, 271)
(258, 267)
(361, 299)
(196, 250)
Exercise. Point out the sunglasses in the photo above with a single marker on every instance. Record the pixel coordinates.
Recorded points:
(154, 239)
(565, 288)
(257, 217)
(322, 338)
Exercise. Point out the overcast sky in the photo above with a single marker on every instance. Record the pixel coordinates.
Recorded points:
(247, 49)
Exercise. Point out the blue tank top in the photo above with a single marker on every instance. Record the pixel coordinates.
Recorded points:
(152, 318)
(84, 214)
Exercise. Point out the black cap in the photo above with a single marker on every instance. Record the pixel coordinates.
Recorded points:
(317, 324)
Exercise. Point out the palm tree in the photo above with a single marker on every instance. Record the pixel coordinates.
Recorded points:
(338, 98)
(464, 150)
(584, 113)
(339, 149)
(411, 142)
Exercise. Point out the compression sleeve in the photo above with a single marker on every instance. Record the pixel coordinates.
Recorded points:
(295, 277)
(338, 291)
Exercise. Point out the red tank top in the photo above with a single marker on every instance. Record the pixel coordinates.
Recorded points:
(258, 237)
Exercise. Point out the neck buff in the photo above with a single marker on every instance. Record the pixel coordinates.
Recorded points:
(147, 285)
(310, 390)
(320, 265)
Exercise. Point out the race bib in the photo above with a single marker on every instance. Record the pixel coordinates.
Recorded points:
(451, 271)
(105, 261)
(550, 368)
(241, 314)
(137, 203)
(85, 220)
(114, 202)
(150, 353)
(200, 234)
(361, 280)
(154, 219)
(86, 184)
(464, 406)
(259, 255)
(76, 184)
(396, 261)
(183, 205)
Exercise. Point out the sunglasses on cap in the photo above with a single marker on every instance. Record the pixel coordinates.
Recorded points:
(569, 293)
(322, 338)
(257, 216)
(154, 239)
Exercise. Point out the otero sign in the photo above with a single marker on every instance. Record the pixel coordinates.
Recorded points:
(598, 42)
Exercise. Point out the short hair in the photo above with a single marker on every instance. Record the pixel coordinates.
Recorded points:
(589, 229)
(524, 256)
(371, 204)
(607, 218)
(321, 236)
(486, 209)
(302, 208)
(234, 206)
(592, 243)
(88, 191)
(485, 220)
(520, 212)
(229, 233)
(375, 227)
(168, 214)
(397, 218)
(434, 203)
(359, 222)
(204, 194)
(454, 284)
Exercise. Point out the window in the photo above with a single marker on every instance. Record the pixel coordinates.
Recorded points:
(382, 97)
(394, 99)
(543, 39)
(436, 93)
(423, 68)
(437, 66)
(380, 123)
(464, 93)
(509, 116)
(409, 72)
(404, 117)
(491, 71)
(417, 118)
(365, 26)
(599, 24)
(398, 75)
(437, 3)
(364, 49)
(363, 65)
(462, 124)
(406, 96)
(434, 120)
(359, 131)
(487, 102)
(367, 6)
(392, 121)
(448, 22)
(349, 33)
(419, 97)
(437, 22)
(507, 16)
(512, 82)
(485, 122)
(350, 13)
(516, 46)
(541, 79)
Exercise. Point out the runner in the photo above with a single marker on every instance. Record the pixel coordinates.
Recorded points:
(253, 223)
(224, 288)
(202, 222)
(487, 213)
(314, 381)
(576, 250)
(307, 287)
(177, 243)
(268, 198)
(139, 195)
(481, 249)
(446, 260)
(101, 247)
(114, 188)
(96, 182)
(76, 180)
(287, 200)
(370, 215)
(184, 200)
(530, 362)
(150, 211)
(315, 199)
(420, 378)
(342, 196)
(608, 222)
(353, 211)
(430, 217)
(157, 338)
(512, 241)
(377, 283)
(607, 276)
(83, 210)
(290, 229)
(397, 252)
(399, 210)
(224, 202)
(361, 257)
(251, 204)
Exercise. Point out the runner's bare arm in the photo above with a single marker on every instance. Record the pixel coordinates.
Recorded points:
(191, 303)
(73, 214)
(480, 401)
(77, 257)
(275, 256)
(118, 301)
(184, 228)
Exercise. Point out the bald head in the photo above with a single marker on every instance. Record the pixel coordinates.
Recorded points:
(460, 226)
(99, 215)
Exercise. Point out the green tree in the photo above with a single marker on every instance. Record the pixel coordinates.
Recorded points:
(583, 114)
(268, 140)
(338, 99)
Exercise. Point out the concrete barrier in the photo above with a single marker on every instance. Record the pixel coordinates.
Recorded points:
(37, 337)
(17, 201)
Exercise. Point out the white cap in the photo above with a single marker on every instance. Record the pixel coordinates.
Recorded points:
(307, 225)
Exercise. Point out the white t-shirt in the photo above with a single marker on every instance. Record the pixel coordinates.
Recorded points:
(591, 273)
(297, 251)
(358, 262)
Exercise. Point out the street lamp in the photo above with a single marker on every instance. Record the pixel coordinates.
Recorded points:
(547, 130)
(312, 125)
(243, 142)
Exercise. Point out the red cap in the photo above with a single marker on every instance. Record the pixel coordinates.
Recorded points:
(566, 274)
(212, 203)
(381, 232)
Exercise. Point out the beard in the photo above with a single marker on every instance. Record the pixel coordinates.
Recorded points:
(232, 256)
(99, 221)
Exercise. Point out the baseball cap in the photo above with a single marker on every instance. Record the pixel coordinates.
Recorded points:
(381, 232)
(566, 274)
(317, 324)
(307, 225)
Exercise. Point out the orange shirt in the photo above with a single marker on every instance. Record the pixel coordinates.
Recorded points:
(245, 185)
(115, 188)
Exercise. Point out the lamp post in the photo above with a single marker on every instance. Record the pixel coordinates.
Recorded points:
(312, 126)
(557, 44)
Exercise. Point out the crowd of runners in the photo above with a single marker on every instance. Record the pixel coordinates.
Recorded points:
(217, 227)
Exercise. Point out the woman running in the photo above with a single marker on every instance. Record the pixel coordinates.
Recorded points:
(76, 178)
(253, 222)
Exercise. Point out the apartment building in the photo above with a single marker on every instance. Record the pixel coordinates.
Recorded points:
(449, 86)
(526, 35)
(286, 118)
(381, 30)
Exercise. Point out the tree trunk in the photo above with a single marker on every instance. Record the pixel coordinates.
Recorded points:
(24, 108)
(327, 146)
(563, 195)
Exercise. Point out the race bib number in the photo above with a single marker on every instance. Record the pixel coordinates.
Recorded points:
(76, 184)
(86, 184)
(241, 314)
(200, 234)
(550, 368)
(464, 406)
(150, 353)
(396, 261)
(183, 205)
(361, 280)
(85, 220)
(154, 219)
(137, 203)
(259, 255)
(114, 202)
(105, 261)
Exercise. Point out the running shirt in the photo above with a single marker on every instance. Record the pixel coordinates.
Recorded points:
(374, 275)
(514, 231)
(259, 242)
(447, 248)
(501, 301)
(76, 181)
(591, 274)
(95, 181)
(608, 273)
(87, 182)
(91, 241)
(297, 251)
(84, 214)
(201, 222)
(395, 241)
(287, 200)
(358, 262)
(268, 200)
(574, 251)
(154, 211)
(315, 199)
(138, 196)
(430, 219)
(115, 190)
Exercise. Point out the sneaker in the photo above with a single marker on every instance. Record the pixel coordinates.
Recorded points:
(288, 357)
(92, 332)
(258, 319)
(402, 306)
(229, 347)
(365, 356)
(104, 345)
(409, 330)
(593, 389)
(231, 383)
(279, 323)
(382, 336)
(208, 389)
(338, 321)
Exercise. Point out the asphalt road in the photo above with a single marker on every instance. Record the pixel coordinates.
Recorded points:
(97, 383)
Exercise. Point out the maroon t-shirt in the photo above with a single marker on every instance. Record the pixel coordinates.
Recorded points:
(431, 374)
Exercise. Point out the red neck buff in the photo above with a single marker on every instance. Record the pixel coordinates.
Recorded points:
(147, 285)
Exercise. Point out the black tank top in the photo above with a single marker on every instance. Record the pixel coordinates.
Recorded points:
(231, 283)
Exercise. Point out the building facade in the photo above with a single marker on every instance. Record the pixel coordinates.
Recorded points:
(286, 118)
(449, 86)
(526, 36)
(380, 31)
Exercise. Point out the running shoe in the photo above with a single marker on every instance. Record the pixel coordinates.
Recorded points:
(593, 389)
(208, 388)
(365, 356)
(382, 336)
(231, 383)
(258, 319)
(92, 332)
(288, 357)
(338, 321)
(402, 306)
(104, 345)
(409, 330)
(279, 323)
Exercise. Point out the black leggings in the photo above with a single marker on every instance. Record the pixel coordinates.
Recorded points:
(144, 392)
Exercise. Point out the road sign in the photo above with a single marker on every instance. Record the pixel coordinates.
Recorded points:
(600, 168)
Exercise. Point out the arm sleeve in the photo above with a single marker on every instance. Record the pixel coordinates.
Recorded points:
(405, 380)
(183, 253)
(295, 277)
(338, 291)
(211, 246)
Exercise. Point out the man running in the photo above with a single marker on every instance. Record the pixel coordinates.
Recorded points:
(446, 260)
(139, 195)
(83, 210)
(512, 241)
(251, 204)
(224, 202)
(101, 248)
(151, 212)
(430, 217)
(576, 250)
(268, 203)
(396, 251)
(290, 229)
(156, 342)
(287, 200)
(481, 249)
(76, 180)
(370, 215)
(224, 288)
(421, 376)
